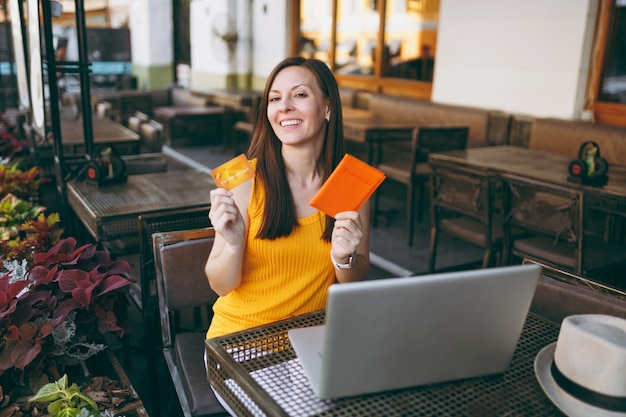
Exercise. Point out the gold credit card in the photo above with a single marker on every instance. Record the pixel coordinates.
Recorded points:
(233, 173)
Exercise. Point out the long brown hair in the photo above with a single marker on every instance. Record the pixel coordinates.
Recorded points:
(279, 215)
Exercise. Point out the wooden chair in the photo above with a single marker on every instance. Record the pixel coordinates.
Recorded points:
(414, 171)
(133, 101)
(181, 283)
(464, 205)
(152, 135)
(555, 218)
(144, 293)
(136, 120)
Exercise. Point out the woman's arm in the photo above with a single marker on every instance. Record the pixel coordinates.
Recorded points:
(229, 217)
(351, 238)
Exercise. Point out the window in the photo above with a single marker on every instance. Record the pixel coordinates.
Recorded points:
(346, 35)
(607, 89)
(410, 40)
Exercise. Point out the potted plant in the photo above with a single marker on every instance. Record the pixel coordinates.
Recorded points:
(10, 145)
(13, 212)
(23, 184)
(58, 312)
(33, 235)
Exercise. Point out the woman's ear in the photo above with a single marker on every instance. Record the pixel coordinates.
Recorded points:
(327, 114)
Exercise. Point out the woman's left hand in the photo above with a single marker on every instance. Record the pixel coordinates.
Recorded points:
(347, 235)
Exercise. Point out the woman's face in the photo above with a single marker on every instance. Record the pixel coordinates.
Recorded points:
(297, 109)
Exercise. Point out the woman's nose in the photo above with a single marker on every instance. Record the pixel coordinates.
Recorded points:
(285, 104)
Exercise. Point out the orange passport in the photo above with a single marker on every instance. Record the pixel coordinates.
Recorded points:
(232, 173)
(348, 187)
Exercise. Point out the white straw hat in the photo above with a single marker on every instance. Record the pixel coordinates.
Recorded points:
(584, 372)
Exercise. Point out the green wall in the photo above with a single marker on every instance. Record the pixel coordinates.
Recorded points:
(153, 76)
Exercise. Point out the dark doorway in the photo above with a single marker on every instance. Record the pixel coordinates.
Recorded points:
(182, 44)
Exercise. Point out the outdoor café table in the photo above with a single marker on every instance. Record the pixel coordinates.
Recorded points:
(368, 128)
(542, 166)
(256, 371)
(105, 131)
(235, 98)
(198, 116)
(110, 212)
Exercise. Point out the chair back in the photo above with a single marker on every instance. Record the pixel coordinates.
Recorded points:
(131, 102)
(152, 136)
(429, 139)
(180, 257)
(134, 124)
(549, 211)
(544, 208)
(149, 224)
(465, 204)
(463, 190)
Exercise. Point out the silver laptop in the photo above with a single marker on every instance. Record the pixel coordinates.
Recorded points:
(401, 332)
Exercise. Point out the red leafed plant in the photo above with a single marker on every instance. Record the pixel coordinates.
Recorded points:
(59, 311)
(21, 183)
(10, 145)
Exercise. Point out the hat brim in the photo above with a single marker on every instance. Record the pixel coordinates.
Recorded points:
(567, 403)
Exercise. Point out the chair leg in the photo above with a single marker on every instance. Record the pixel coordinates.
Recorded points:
(434, 240)
(410, 212)
(505, 255)
(420, 202)
(486, 258)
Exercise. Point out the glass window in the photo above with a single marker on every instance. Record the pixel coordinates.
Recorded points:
(410, 39)
(316, 23)
(346, 34)
(357, 37)
(613, 81)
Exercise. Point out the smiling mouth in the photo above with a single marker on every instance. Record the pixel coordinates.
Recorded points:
(287, 123)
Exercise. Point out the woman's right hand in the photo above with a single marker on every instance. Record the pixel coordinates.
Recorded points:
(226, 218)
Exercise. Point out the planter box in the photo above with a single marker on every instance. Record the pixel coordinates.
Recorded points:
(106, 364)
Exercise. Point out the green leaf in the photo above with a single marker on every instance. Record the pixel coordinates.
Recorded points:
(62, 383)
(89, 402)
(72, 390)
(68, 412)
(47, 393)
(60, 408)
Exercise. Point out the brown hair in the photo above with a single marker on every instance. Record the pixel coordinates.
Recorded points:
(279, 215)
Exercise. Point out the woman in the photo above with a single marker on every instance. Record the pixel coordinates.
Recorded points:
(274, 255)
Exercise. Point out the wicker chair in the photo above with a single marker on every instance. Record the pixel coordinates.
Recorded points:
(414, 171)
(465, 205)
(555, 217)
(182, 284)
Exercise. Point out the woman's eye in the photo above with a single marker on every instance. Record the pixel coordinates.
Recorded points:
(274, 98)
(301, 95)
